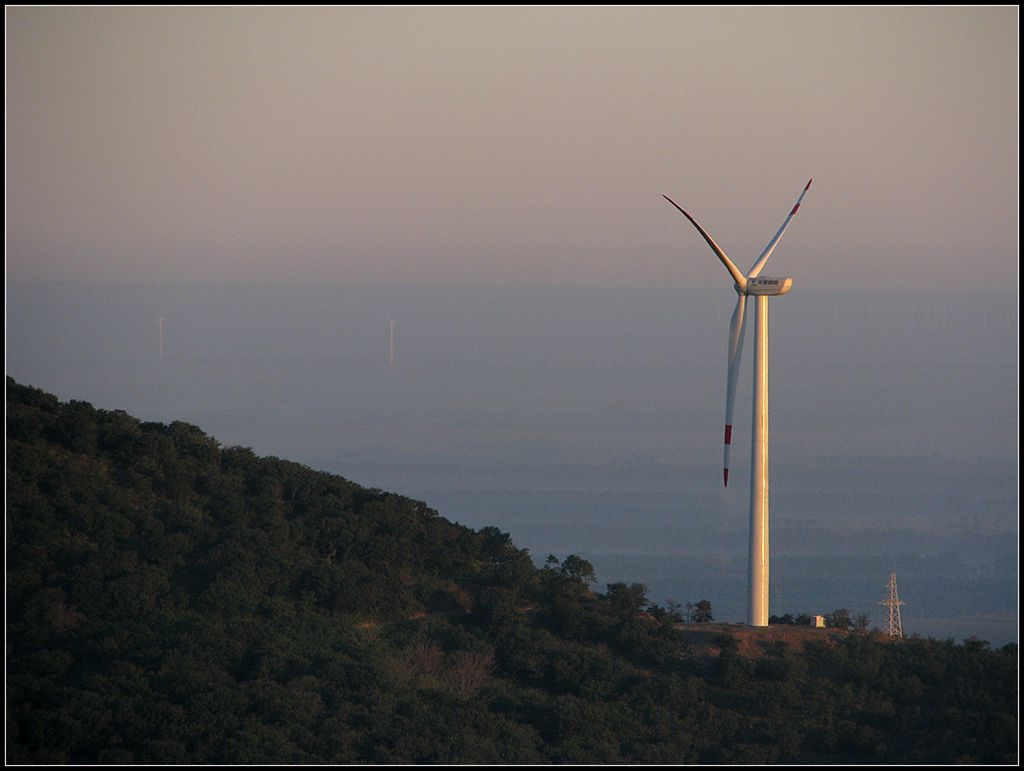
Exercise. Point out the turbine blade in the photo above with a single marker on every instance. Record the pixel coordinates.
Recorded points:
(736, 329)
(729, 266)
(756, 270)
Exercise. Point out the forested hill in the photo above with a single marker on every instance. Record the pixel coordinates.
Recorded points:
(170, 600)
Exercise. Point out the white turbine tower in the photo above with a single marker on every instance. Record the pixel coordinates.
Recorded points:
(761, 287)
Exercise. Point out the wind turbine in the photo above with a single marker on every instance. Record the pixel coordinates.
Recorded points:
(753, 284)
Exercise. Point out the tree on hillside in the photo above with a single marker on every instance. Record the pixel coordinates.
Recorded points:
(626, 601)
(701, 613)
(838, 619)
(577, 567)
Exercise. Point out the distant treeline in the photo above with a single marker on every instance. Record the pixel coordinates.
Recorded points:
(170, 600)
(837, 619)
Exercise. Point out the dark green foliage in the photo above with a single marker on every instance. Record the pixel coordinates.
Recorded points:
(173, 601)
(701, 613)
(838, 619)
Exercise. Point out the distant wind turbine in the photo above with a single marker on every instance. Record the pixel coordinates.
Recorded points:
(761, 287)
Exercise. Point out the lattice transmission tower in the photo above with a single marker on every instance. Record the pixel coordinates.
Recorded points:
(893, 602)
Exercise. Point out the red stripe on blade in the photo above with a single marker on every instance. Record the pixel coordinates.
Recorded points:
(725, 474)
(728, 434)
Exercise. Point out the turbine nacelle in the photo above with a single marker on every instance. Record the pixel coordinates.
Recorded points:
(766, 285)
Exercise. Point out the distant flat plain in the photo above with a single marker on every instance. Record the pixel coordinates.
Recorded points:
(588, 421)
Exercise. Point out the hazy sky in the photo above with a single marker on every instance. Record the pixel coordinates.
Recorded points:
(512, 146)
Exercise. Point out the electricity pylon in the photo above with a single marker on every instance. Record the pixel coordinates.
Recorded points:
(893, 602)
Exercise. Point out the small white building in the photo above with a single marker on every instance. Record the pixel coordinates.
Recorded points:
(818, 622)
